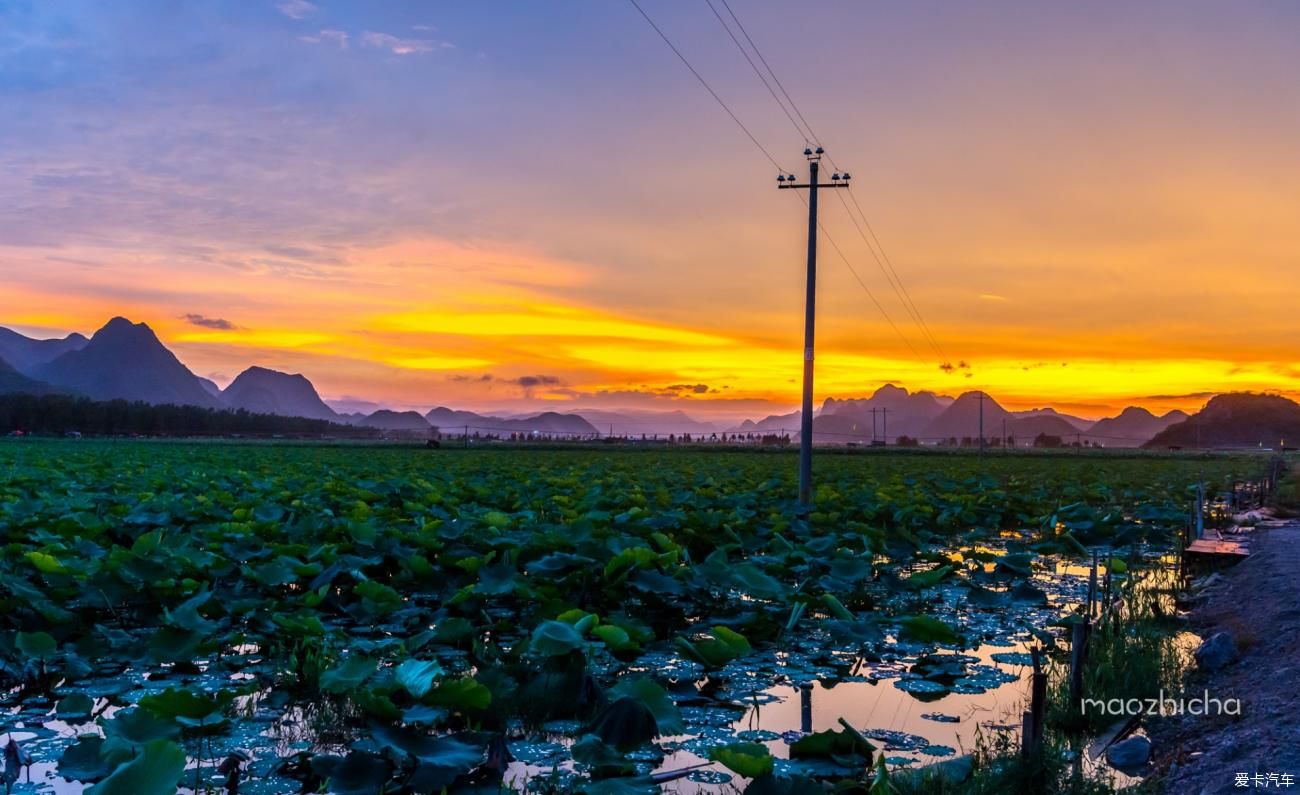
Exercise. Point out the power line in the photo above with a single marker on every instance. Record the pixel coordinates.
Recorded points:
(891, 276)
(906, 294)
(772, 72)
(757, 71)
(707, 87)
(863, 284)
(809, 134)
(883, 260)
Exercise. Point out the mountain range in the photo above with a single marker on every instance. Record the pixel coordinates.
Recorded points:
(125, 360)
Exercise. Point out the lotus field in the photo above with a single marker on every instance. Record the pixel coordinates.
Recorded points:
(258, 618)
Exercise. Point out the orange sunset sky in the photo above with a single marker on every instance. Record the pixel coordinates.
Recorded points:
(506, 207)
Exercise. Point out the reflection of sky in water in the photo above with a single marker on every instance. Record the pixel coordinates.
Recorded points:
(757, 699)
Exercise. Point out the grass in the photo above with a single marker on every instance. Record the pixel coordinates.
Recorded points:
(1286, 497)
(1133, 654)
(1000, 769)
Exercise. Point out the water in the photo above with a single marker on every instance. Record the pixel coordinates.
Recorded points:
(772, 696)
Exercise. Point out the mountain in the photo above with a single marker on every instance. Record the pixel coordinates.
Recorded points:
(1132, 427)
(898, 412)
(454, 422)
(264, 391)
(1079, 423)
(772, 423)
(25, 354)
(211, 386)
(1240, 419)
(387, 420)
(1026, 429)
(962, 419)
(650, 423)
(13, 382)
(126, 360)
(841, 429)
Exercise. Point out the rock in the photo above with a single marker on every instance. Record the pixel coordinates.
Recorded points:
(1130, 754)
(1216, 651)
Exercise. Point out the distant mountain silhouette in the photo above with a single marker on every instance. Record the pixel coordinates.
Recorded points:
(1078, 423)
(772, 423)
(1026, 429)
(25, 354)
(898, 413)
(1133, 427)
(387, 420)
(264, 391)
(962, 419)
(125, 360)
(1240, 419)
(13, 382)
(549, 422)
(634, 422)
(210, 385)
(844, 428)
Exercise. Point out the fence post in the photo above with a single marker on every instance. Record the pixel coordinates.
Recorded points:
(1078, 641)
(1105, 607)
(1200, 510)
(1038, 700)
(1092, 584)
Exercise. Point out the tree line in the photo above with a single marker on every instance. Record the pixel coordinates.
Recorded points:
(65, 414)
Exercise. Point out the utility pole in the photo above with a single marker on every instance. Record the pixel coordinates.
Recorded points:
(981, 422)
(873, 425)
(884, 426)
(785, 181)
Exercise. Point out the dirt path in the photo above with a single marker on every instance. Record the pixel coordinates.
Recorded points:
(1258, 602)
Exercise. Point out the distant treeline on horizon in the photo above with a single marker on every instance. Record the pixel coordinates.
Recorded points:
(60, 414)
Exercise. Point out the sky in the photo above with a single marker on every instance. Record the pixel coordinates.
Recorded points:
(534, 205)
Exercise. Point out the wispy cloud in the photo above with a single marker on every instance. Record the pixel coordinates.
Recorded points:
(338, 38)
(395, 44)
(296, 9)
(208, 322)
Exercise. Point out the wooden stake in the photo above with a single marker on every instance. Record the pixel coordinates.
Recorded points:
(1092, 583)
(1078, 639)
(1027, 734)
(1038, 697)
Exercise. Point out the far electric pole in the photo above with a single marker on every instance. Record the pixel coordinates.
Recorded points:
(810, 302)
(981, 422)
(873, 425)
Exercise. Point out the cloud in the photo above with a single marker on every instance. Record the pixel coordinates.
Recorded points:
(992, 297)
(530, 381)
(296, 9)
(698, 389)
(462, 378)
(949, 367)
(338, 38)
(1184, 396)
(208, 322)
(395, 45)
